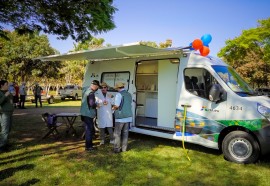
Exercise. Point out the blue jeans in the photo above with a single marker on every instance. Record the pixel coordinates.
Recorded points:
(120, 136)
(6, 122)
(89, 130)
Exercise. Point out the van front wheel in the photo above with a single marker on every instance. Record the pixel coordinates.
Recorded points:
(240, 147)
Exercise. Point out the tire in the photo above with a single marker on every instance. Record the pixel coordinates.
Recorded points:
(51, 100)
(240, 147)
(62, 98)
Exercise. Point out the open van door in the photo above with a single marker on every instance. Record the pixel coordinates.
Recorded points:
(156, 84)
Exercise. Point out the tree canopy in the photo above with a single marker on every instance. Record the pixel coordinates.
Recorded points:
(249, 54)
(16, 56)
(78, 19)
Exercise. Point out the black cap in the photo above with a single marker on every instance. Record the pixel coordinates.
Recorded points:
(95, 82)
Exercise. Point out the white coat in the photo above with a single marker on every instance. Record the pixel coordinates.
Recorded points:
(104, 112)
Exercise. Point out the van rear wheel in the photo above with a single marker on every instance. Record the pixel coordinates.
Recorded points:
(240, 147)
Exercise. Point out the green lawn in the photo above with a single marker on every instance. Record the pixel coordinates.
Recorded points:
(149, 160)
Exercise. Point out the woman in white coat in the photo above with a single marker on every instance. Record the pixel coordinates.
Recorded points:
(104, 113)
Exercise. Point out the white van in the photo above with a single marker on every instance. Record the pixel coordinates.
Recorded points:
(222, 111)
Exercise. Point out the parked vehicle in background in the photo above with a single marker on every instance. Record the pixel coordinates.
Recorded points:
(71, 91)
(263, 91)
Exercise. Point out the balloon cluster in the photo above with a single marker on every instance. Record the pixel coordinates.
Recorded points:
(202, 44)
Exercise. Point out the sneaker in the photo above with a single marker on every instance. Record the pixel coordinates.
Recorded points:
(90, 149)
(111, 141)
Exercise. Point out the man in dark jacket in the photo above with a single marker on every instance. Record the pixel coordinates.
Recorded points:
(6, 112)
(37, 93)
(88, 112)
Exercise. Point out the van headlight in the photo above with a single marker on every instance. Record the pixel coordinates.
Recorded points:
(263, 110)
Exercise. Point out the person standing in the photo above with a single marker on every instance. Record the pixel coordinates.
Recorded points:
(22, 92)
(104, 113)
(16, 96)
(6, 112)
(37, 93)
(123, 116)
(88, 113)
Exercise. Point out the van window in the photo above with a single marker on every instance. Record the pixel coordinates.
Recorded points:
(198, 81)
(111, 78)
(233, 80)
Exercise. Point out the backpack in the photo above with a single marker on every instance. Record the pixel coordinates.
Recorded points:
(51, 119)
(91, 100)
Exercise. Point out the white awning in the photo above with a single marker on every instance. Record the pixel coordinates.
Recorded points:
(110, 53)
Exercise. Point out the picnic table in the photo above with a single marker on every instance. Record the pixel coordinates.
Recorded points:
(69, 119)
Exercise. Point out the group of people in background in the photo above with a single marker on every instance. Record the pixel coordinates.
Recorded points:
(20, 92)
(103, 106)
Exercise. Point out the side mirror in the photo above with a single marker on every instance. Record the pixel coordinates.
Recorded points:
(214, 93)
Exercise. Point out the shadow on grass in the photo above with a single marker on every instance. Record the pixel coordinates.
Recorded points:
(30, 182)
(6, 173)
(172, 143)
(32, 154)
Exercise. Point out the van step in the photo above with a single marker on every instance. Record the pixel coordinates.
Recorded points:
(157, 128)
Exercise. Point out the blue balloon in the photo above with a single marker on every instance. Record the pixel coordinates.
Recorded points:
(206, 39)
(191, 46)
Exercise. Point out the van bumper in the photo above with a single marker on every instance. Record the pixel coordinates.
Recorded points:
(263, 136)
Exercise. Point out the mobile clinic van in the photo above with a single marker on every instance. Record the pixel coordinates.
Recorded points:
(222, 111)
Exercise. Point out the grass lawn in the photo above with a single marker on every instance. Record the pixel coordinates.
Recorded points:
(149, 160)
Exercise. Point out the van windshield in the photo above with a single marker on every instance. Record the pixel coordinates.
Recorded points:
(234, 80)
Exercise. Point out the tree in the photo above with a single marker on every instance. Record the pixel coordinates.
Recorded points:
(166, 44)
(249, 54)
(74, 70)
(78, 19)
(17, 53)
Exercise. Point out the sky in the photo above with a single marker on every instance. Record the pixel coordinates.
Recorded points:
(179, 20)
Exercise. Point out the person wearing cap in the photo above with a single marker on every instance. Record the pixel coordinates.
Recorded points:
(123, 116)
(22, 92)
(104, 113)
(88, 113)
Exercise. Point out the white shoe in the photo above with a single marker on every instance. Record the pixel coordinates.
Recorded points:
(112, 142)
(102, 142)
